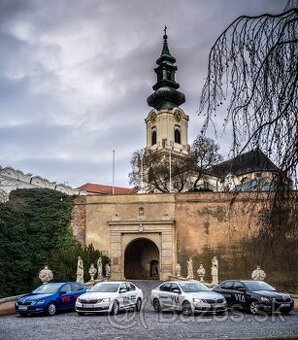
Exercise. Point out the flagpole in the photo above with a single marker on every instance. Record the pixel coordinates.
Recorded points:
(142, 173)
(113, 186)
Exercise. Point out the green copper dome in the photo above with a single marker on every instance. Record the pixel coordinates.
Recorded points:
(165, 95)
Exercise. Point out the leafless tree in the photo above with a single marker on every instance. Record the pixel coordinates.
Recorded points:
(204, 154)
(253, 75)
(186, 170)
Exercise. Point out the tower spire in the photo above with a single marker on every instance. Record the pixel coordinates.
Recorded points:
(165, 95)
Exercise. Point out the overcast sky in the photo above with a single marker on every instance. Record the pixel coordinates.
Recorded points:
(75, 75)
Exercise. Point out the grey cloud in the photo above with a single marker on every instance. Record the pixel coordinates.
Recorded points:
(82, 73)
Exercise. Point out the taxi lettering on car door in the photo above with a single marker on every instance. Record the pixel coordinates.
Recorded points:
(165, 295)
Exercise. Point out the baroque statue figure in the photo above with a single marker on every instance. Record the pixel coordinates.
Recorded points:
(92, 272)
(214, 270)
(190, 269)
(80, 270)
(258, 274)
(108, 270)
(178, 270)
(201, 272)
(99, 268)
(45, 275)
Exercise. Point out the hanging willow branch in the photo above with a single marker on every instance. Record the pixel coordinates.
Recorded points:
(253, 70)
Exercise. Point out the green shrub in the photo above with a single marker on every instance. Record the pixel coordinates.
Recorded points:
(34, 231)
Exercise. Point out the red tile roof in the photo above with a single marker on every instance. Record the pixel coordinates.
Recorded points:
(105, 189)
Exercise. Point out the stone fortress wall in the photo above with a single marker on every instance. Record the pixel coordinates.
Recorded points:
(200, 225)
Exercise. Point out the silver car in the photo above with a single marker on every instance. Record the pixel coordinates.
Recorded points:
(110, 297)
(188, 297)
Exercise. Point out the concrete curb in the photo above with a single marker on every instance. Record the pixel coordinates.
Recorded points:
(7, 308)
(7, 305)
(10, 298)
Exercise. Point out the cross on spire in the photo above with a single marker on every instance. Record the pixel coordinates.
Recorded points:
(165, 29)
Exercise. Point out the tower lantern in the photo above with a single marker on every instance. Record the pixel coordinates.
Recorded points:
(166, 123)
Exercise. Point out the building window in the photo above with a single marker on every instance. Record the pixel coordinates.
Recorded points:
(153, 137)
(177, 136)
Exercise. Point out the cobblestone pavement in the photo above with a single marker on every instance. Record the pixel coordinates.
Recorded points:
(148, 325)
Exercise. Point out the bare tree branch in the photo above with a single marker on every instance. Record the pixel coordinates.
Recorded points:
(253, 67)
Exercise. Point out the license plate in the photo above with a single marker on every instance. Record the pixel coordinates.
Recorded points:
(23, 307)
(87, 306)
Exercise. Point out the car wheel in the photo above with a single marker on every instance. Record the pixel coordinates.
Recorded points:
(186, 308)
(138, 305)
(221, 313)
(156, 306)
(52, 309)
(254, 308)
(115, 308)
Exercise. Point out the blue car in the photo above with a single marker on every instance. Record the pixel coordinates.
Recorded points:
(50, 298)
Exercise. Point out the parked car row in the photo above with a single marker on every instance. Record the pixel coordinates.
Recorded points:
(187, 297)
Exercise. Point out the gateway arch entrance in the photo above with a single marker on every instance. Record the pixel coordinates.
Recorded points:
(141, 260)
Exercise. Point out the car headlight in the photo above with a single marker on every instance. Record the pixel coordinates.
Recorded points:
(197, 300)
(265, 299)
(106, 300)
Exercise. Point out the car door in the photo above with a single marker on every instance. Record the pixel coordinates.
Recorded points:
(132, 293)
(165, 295)
(76, 290)
(175, 294)
(239, 294)
(65, 298)
(123, 296)
(226, 289)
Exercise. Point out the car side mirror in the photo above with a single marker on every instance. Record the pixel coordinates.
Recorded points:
(123, 290)
(241, 289)
(62, 292)
(176, 290)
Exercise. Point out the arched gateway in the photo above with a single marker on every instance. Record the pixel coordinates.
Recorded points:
(143, 249)
(141, 260)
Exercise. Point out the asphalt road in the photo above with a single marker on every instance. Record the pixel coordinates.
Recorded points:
(148, 325)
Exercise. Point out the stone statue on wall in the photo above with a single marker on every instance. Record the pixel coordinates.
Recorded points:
(258, 274)
(92, 272)
(45, 275)
(108, 270)
(214, 270)
(201, 272)
(178, 270)
(99, 268)
(80, 270)
(190, 269)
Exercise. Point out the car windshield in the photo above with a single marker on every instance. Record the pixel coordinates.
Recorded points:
(47, 288)
(193, 287)
(258, 285)
(105, 288)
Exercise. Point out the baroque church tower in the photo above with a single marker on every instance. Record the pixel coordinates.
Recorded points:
(166, 123)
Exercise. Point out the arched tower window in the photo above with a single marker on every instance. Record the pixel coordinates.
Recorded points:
(177, 136)
(153, 137)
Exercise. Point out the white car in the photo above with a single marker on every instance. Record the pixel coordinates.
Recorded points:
(188, 297)
(110, 297)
